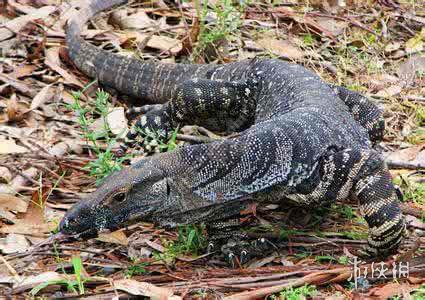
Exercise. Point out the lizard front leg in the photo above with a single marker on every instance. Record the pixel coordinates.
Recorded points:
(363, 174)
(379, 206)
(224, 106)
(364, 111)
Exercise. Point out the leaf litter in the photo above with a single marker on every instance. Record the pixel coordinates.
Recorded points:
(377, 50)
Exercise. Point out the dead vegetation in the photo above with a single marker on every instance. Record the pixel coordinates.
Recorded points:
(58, 136)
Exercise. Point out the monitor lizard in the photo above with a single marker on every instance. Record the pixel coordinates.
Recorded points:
(300, 140)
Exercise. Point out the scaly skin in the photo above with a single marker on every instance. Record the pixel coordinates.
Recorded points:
(301, 140)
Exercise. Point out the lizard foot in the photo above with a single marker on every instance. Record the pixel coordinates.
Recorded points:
(151, 129)
(237, 251)
(235, 246)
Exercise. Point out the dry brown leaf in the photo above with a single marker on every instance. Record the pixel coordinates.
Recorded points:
(116, 237)
(117, 121)
(44, 95)
(53, 61)
(137, 288)
(8, 216)
(415, 154)
(389, 91)
(389, 290)
(139, 20)
(280, 48)
(33, 221)
(23, 70)
(18, 182)
(411, 68)
(5, 175)
(162, 43)
(12, 203)
(18, 85)
(32, 281)
(393, 46)
(336, 27)
(12, 109)
(10, 28)
(165, 43)
(14, 243)
(10, 147)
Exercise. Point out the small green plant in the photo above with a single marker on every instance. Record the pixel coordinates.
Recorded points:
(285, 233)
(414, 191)
(355, 235)
(71, 284)
(136, 269)
(308, 40)
(228, 21)
(297, 293)
(324, 258)
(344, 260)
(419, 293)
(417, 136)
(191, 240)
(345, 210)
(106, 162)
(420, 116)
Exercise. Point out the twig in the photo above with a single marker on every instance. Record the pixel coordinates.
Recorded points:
(11, 269)
(353, 22)
(399, 164)
(407, 97)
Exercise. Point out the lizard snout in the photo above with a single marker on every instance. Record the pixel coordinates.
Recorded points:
(78, 222)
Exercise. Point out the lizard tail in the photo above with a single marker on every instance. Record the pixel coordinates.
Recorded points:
(152, 81)
(83, 54)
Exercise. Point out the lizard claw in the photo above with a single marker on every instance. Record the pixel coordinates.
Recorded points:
(231, 259)
(210, 247)
(243, 257)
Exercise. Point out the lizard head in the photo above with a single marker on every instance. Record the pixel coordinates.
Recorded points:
(130, 195)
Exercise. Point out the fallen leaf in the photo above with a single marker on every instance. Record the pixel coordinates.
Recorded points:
(415, 222)
(10, 28)
(280, 48)
(10, 147)
(116, 237)
(8, 216)
(336, 27)
(389, 91)
(393, 46)
(43, 96)
(22, 71)
(139, 20)
(18, 85)
(411, 68)
(159, 42)
(14, 243)
(137, 288)
(12, 109)
(32, 281)
(413, 154)
(389, 290)
(416, 43)
(32, 221)
(5, 175)
(12, 203)
(117, 121)
(53, 61)
(18, 182)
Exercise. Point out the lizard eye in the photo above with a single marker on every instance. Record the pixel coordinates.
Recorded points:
(120, 197)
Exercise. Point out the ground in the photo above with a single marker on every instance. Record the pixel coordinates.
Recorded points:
(59, 132)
